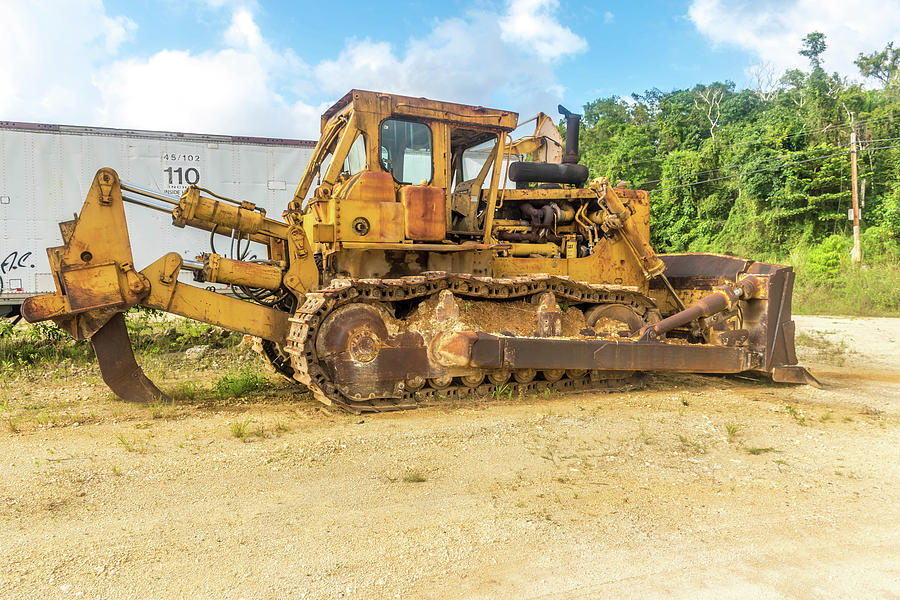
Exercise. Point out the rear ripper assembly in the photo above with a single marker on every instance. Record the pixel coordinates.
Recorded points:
(410, 272)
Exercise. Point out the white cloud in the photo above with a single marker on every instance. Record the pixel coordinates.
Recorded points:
(772, 30)
(47, 53)
(65, 65)
(461, 59)
(531, 24)
(608, 17)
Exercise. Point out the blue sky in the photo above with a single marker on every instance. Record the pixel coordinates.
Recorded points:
(258, 67)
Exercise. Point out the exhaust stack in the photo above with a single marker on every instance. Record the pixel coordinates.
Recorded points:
(573, 123)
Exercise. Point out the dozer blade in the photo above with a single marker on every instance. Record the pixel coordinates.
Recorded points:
(117, 365)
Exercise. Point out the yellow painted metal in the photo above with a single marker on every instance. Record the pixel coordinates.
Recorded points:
(93, 270)
(545, 249)
(168, 294)
(620, 219)
(218, 269)
(545, 144)
(245, 218)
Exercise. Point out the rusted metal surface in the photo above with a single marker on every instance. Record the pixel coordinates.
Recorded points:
(723, 298)
(365, 360)
(94, 269)
(117, 365)
(220, 269)
(424, 213)
(795, 374)
(501, 352)
(549, 319)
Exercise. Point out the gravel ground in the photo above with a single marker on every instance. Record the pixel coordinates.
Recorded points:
(696, 487)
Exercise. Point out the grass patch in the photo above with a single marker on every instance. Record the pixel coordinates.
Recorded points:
(132, 445)
(239, 428)
(186, 391)
(795, 413)
(239, 383)
(824, 349)
(758, 451)
(160, 409)
(732, 430)
(692, 445)
(873, 290)
(413, 477)
(26, 345)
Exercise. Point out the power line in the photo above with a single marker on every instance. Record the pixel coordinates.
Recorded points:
(726, 167)
(788, 164)
(879, 140)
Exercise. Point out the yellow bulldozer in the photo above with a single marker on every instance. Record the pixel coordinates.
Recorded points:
(421, 259)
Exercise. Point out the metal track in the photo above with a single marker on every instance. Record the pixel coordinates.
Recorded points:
(306, 321)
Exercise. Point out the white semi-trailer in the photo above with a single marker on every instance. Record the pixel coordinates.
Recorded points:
(46, 171)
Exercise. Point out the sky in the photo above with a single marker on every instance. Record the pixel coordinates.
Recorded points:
(269, 68)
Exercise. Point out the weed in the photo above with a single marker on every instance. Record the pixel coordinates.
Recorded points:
(692, 445)
(160, 409)
(12, 424)
(259, 431)
(795, 413)
(758, 451)
(132, 446)
(827, 351)
(847, 419)
(502, 391)
(116, 470)
(645, 436)
(413, 477)
(239, 428)
(779, 461)
(282, 427)
(239, 383)
(732, 429)
(184, 391)
(826, 416)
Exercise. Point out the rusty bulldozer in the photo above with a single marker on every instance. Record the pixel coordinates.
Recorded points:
(417, 260)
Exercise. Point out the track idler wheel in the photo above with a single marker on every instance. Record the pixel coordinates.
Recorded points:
(117, 365)
(613, 319)
(364, 360)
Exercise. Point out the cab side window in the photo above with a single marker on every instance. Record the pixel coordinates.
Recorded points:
(356, 157)
(406, 151)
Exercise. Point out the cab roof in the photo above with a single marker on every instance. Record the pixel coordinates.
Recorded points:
(388, 105)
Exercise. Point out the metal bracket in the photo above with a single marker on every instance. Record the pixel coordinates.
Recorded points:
(106, 183)
(170, 269)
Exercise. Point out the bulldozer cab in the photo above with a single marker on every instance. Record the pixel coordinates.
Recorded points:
(392, 169)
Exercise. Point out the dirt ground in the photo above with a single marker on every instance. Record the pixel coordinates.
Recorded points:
(696, 487)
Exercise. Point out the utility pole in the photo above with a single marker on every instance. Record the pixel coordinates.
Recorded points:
(856, 253)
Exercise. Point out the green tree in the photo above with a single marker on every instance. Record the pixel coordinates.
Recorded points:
(882, 66)
(813, 47)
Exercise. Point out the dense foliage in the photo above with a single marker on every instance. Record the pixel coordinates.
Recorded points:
(762, 172)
